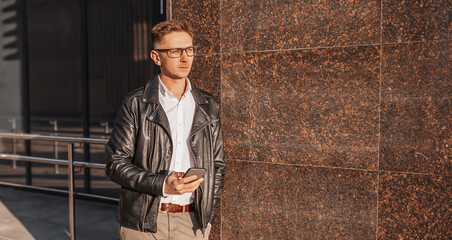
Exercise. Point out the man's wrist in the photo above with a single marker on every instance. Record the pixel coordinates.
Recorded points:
(165, 195)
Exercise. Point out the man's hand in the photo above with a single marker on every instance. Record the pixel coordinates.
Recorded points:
(176, 185)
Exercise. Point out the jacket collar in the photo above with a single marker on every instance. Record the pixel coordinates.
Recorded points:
(202, 110)
(151, 92)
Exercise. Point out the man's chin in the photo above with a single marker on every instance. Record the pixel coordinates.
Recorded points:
(177, 77)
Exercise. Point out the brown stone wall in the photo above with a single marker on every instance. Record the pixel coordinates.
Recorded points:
(336, 114)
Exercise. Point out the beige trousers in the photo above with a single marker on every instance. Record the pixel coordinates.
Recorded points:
(170, 226)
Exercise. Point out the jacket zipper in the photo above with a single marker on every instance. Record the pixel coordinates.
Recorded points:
(200, 190)
(198, 205)
(201, 128)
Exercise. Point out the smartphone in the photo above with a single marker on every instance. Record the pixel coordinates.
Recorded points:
(199, 172)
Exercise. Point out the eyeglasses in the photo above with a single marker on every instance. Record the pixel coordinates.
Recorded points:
(177, 52)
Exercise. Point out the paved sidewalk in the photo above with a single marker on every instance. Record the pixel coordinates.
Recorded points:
(11, 227)
(32, 215)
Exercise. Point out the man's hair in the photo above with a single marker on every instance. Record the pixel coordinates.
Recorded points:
(174, 25)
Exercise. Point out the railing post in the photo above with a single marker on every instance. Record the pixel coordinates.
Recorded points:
(13, 130)
(70, 153)
(107, 129)
(55, 144)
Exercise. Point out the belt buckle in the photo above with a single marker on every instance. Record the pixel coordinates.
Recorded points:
(166, 207)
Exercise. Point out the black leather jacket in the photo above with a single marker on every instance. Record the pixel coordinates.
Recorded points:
(139, 154)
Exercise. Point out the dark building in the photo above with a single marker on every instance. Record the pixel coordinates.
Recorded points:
(65, 66)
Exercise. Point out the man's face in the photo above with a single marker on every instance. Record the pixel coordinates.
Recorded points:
(174, 68)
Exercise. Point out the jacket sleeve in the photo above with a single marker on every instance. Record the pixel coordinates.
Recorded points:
(218, 153)
(120, 153)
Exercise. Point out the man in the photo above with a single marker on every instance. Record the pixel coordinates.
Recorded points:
(162, 130)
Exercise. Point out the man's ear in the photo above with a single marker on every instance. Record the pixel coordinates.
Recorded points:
(155, 57)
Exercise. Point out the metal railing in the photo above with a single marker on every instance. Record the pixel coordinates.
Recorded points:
(69, 162)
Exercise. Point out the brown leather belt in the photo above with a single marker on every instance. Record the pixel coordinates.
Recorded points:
(173, 208)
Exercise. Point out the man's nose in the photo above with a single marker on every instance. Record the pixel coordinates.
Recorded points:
(184, 56)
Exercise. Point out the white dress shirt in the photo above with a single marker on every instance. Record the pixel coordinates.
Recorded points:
(180, 115)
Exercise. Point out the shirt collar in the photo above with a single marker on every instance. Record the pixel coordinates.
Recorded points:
(167, 93)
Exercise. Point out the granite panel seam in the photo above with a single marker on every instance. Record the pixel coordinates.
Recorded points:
(302, 165)
(221, 217)
(380, 90)
(325, 47)
(377, 209)
(380, 78)
(341, 168)
(221, 102)
(303, 48)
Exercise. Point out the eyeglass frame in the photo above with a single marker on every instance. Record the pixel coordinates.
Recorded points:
(182, 51)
